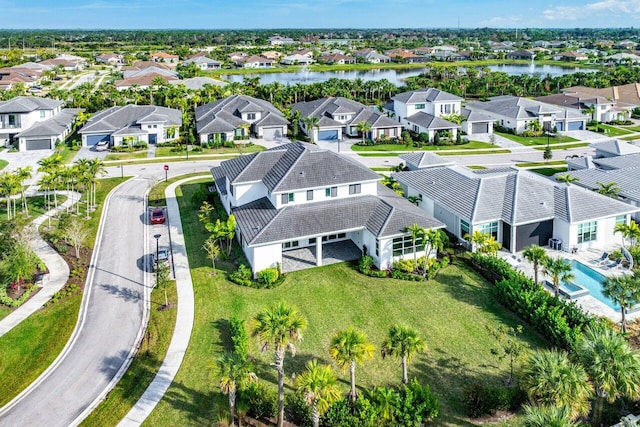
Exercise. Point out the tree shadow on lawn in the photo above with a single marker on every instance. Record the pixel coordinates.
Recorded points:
(224, 332)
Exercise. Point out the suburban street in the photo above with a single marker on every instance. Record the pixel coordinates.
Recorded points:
(112, 313)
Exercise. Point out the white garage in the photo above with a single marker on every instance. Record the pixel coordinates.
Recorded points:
(273, 133)
(38, 144)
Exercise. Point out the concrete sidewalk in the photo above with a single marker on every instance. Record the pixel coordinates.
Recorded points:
(52, 282)
(184, 320)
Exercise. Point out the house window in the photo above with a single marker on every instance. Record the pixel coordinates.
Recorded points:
(309, 194)
(621, 219)
(251, 116)
(42, 114)
(231, 189)
(342, 235)
(416, 128)
(490, 228)
(286, 198)
(290, 245)
(355, 189)
(419, 106)
(464, 228)
(404, 245)
(312, 241)
(377, 248)
(587, 231)
(331, 192)
(12, 120)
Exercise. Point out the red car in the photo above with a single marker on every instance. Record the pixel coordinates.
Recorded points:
(157, 216)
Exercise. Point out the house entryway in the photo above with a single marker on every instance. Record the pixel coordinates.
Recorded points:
(332, 253)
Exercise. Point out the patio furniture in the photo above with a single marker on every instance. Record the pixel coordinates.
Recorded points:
(602, 258)
(616, 263)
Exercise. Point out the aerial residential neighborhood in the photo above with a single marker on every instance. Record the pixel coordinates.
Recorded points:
(330, 214)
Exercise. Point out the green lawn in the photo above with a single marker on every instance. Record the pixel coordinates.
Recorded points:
(3, 164)
(144, 366)
(67, 153)
(4, 311)
(564, 147)
(533, 164)
(240, 149)
(539, 140)
(549, 171)
(631, 138)
(613, 130)
(450, 312)
(160, 160)
(37, 206)
(127, 155)
(471, 145)
(632, 128)
(471, 153)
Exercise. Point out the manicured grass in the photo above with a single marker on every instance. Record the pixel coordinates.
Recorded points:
(549, 171)
(4, 311)
(168, 151)
(564, 147)
(614, 130)
(533, 164)
(471, 145)
(450, 312)
(477, 167)
(382, 169)
(156, 160)
(126, 156)
(632, 128)
(144, 366)
(37, 206)
(471, 153)
(3, 164)
(67, 153)
(538, 140)
(29, 348)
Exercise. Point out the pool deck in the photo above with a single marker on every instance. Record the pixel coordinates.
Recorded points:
(586, 257)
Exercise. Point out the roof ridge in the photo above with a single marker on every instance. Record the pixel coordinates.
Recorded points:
(387, 219)
(475, 202)
(266, 226)
(514, 205)
(286, 174)
(253, 159)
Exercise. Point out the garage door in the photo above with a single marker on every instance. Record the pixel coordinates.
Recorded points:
(94, 139)
(272, 133)
(38, 144)
(479, 128)
(326, 135)
(576, 126)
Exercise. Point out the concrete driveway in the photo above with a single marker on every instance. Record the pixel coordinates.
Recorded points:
(24, 158)
(112, 315)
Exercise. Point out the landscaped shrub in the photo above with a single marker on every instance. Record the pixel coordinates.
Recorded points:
(483, 399)
(239, 336)
(242, 276)
(365, 263)
(262, 401)
(68, 290)
(296, 410)
(268, 276)
(10, 302)
(398, 274)
(415, 404)
(405, 265)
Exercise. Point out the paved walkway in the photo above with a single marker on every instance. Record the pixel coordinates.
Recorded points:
(184, 321)
(332, 253)
(52, 282)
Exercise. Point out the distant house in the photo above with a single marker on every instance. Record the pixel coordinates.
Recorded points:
(626, 96)
(238, 56)
(203, 62)
(66, 64)
(271, 54)
(10, 77)
(165, 57)
(198, 83)
(238, 116)
(298, 206)
(623, 58)
(143, 80)
(33, 123)
(113, 59)
(604, 110)
(515, 113)
(279, 40)
(518, 208)
(254, 62)
(338, 59)
(140, 68)
(521, 54)
(339, 117)
(297, 59)
(371, 56)
(571, 56)
(404, 57)
(132, 124)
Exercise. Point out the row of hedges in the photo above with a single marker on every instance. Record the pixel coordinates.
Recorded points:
(403, 269)
(559, 321)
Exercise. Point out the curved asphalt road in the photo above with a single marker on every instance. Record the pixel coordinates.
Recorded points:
(112, 315)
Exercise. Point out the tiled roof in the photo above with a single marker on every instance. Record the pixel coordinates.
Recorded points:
(425, 159)
(26, 104)
(616, 147)
(324, 107)
(619, 162)
(521, 108)
(221, 115)
(430, 121)
(54, 126)
(425, 95)
(627, 179)
(116, 118)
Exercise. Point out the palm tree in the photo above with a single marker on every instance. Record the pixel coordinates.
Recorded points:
(547, 416)
(363, 127)
(566, 177)
(23, 174)
(350, 348)
(537, 256)
(612, 366)
(279, 326)
(558, 270)
(319, 387)
(235, 373)
(551, 379)
(630, 231)
(310, 124)
(417, 233)
(624, 291)
(431, 240)
(610, 189)
(403, 342)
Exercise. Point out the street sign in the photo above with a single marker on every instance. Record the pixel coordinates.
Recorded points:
(166, 167)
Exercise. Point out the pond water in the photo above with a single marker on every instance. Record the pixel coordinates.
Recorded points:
(395, 76)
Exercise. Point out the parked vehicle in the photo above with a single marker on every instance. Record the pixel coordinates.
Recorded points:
(102, 146)
(161, 257)
(157, 216)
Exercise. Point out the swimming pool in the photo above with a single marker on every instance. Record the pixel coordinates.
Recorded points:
(592, 280)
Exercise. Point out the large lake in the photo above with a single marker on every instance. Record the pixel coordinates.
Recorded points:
(394, 76)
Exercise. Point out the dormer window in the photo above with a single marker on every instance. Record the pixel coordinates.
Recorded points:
(355, 189)
(419, 106)
(42, 114)
(251, 116)
(286, 198)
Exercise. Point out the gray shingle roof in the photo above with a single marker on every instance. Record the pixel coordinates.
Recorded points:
(26, 104)
(514, 196)
(521, 108)
(326, 107)
(429, 121)
(580, 162)
(54, 126)
(619, 162)
(628, 179)
(425, 95)
(425, 159)
(475, 116)
(616, 147)
(223, 115)
(116, 118)
(219, 179)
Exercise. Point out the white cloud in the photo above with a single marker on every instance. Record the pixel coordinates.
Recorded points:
(607, 7)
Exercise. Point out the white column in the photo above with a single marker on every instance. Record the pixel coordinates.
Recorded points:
(319, 251)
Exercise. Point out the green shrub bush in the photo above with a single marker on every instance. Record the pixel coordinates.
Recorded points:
(481, 400)
(239, 336)
(268, 276)
(262, 402)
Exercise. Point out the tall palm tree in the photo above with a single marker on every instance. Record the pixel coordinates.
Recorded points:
(310, 124)
(624, 291)
(537, 256)
(628, 231)
(319, 387)
(350, 348)
(235, 373)
(403, 342)
(279, 327)
(610, 189)
(551, 379)
(431, 240)
(417, 233)
(558, 270)
(566, 177)
(363, 127)
(24, 173)
(612, 366)
(547, 416)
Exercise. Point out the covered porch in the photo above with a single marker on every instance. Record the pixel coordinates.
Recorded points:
(330, 253)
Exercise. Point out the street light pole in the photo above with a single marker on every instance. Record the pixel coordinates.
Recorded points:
(157, 237)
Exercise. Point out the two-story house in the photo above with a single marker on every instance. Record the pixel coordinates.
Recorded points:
(33, 123)
(131, 125)
(338, 116)
(299, 206)
(238, 116)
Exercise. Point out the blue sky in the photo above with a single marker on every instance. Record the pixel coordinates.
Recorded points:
(243, 14)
